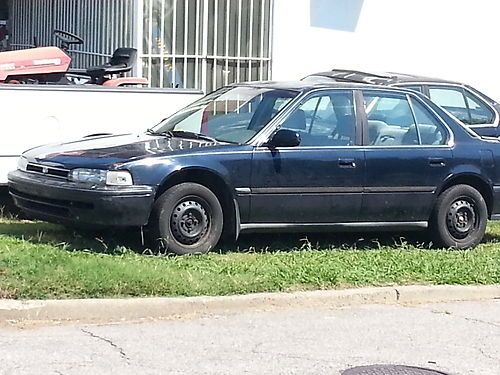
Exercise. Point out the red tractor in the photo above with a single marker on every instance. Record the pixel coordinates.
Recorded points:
(51, 65)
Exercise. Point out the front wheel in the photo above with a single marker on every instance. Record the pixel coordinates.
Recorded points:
(459, 218)
(186, 219)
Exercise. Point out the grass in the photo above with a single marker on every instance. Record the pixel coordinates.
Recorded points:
(39, 261)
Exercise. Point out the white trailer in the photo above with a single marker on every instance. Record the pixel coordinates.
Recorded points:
(32, 115)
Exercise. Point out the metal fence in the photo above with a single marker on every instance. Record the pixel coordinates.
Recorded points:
(205, 44)
(104, 25)
(192, 44)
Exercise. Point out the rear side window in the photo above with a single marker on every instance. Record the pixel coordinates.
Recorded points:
(389, 119)
(479, 112)
(465, 106)
(395, 121)
(430, 129)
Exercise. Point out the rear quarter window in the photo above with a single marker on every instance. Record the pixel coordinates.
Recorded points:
(462, 104)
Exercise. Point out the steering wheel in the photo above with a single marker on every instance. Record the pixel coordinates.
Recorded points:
(67, 39)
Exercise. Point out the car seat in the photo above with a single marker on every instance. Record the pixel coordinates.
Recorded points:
(410, 138)
(374, 129)
(429, 135)
(297, 121)
(344, 132)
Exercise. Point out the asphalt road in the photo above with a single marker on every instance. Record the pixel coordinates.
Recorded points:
(459, 338)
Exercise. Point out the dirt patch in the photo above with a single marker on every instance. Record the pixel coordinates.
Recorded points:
(7, 294)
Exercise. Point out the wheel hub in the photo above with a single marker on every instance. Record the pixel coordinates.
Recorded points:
(189, 222)
(461, 219)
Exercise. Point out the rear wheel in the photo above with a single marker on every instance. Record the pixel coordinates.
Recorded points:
(186, 219)
(459, 218)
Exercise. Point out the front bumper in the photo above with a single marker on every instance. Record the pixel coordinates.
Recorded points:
(61, 201)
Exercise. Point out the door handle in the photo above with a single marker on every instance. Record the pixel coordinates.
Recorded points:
(347, 163)
(437, 162)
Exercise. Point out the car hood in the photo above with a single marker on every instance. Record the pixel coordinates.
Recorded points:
(106, 151)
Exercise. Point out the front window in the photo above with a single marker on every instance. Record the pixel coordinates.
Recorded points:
(325, 119)
(233, 115)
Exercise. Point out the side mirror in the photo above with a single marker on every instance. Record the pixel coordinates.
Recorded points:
(285, 138)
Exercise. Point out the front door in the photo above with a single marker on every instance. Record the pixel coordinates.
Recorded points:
(321, 180)
(407, 157)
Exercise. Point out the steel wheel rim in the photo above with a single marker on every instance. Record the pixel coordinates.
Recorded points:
(190, 221)
(461, 218)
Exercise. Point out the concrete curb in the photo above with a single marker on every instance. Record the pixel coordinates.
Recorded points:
(114, 310)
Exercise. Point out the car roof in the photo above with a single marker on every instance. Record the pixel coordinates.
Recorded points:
(384, 79)
(304, 86)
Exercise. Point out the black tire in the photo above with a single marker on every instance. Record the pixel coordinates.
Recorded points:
(459, 219)
(186, 219)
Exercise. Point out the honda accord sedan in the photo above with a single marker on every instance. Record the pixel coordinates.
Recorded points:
(275, 156)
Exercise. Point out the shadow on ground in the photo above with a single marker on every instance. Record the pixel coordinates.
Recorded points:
(116, 240)
(98, 241)
(112, 241)
(7, 207)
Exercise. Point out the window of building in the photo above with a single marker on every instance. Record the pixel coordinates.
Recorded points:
(191, 44)
(206, 44)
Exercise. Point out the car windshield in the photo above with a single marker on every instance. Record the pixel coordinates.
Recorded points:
(233, 115)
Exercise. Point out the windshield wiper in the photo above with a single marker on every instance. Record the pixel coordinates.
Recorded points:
(167, 133)
(190, 135)
(151, 131)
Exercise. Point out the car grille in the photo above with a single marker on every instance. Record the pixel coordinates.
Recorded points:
(47, 206)
(48, 170)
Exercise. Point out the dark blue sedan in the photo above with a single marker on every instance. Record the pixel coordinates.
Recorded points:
(275, 156)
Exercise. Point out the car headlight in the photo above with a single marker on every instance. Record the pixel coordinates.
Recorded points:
(88, 176)
(119, 178)
(22, 163)
(101, 177)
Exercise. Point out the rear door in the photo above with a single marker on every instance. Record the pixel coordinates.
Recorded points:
(407, 156)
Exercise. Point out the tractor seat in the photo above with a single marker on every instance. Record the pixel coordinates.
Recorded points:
(122, 61)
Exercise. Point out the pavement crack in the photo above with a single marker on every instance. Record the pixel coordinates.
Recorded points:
(398, 294)
(479, 321)
(256, 350)
(475, 320)
(486, 355)
(109, 341)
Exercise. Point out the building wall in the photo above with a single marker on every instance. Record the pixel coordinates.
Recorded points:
(454, 39)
